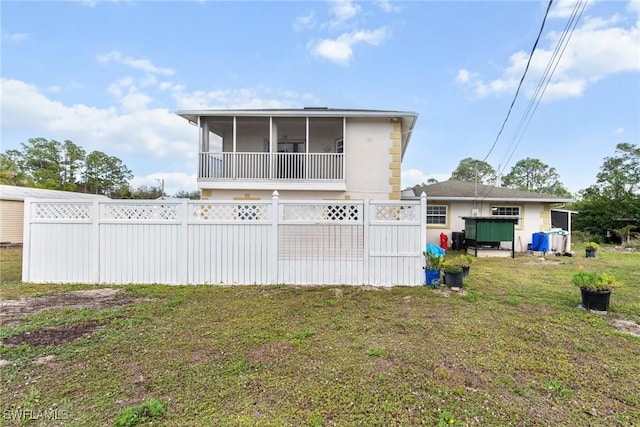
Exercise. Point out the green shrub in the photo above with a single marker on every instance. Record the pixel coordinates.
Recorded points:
(595, 281)
(134, 415)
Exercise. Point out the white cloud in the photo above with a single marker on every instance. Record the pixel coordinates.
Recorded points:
(564, 8)
(304, 22)
(136, 63)
(16, 37)
(342, 11)
(257, 97)
(463, 76)
(340, 50)
(128, 95)
(150, 134)
(619, 131)
(389, 6)
(598, 48)
(133, 131)
(633, 6)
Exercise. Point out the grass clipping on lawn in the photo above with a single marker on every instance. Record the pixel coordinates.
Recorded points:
(514, 349)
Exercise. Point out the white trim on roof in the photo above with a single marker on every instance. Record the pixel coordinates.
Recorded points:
(490, 199)
(11, 192)
(303, 112)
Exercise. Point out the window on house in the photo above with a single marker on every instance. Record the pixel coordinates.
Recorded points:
(437, 214)
(506, 211)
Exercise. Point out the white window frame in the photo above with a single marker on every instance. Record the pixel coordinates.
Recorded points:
(432, 215)
(495, 209)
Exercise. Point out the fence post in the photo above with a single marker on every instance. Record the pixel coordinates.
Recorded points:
(273, 252)
(365, 240)
(26, 241)
(96, 274)
(185, 250)
(423, 221)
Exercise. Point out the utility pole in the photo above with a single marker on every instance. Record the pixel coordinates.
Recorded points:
(161, 181)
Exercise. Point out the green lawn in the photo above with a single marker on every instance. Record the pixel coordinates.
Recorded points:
(512, 349)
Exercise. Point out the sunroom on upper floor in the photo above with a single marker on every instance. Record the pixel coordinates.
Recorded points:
(296, 149)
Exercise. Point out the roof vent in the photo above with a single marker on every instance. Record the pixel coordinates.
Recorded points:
(316, 108)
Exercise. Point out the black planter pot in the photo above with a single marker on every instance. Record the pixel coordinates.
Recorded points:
(465, 271)
(594, 300)
(590, 253)
(453, 279)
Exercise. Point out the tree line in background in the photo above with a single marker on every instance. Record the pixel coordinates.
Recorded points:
(608, 210)
(66, 166)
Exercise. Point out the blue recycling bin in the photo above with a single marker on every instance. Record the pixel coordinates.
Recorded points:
(540, 242)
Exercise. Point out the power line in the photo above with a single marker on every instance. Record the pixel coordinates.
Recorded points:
(541, 88)
(559, 50)
(544, 20)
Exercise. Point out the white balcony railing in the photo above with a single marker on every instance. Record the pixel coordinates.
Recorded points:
(272, 166)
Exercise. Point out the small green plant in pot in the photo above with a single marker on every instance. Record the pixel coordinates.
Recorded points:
(432, 261)
(453, 271)
(466, 261)
(590, 249)
(595, 288)
(432, 265)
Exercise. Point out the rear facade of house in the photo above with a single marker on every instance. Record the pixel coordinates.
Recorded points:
(309, 153)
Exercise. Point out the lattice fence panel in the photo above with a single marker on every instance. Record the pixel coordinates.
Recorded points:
(342, 213)
(229, 212)
(141, 212)
(403, 213)
(61, 211)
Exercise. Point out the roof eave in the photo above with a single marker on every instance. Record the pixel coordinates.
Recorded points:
(498, 199)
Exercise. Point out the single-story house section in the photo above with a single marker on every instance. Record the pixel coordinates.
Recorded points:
(12, 208)
(449, 202)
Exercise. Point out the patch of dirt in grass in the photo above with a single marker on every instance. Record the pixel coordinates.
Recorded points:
(205, 354)
(455, 374)
(624, 249)
(53, 336)
(272, 353)
(536, 309)
(384, 365)
(627, 326)
(10, 310)
(543, 261)
(136, 371)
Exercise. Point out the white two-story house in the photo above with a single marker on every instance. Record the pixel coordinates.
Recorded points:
(309, 153)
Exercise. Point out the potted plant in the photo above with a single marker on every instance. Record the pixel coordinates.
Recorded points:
(453, 274)
(466, 261)
(595, 288)
(590, 249)
(432, 264)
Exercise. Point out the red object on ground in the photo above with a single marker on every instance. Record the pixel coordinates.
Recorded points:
(444, 241)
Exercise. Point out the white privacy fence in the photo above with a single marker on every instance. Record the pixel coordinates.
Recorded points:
(224, 242)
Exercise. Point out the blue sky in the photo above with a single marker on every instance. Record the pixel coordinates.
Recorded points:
(110, 75)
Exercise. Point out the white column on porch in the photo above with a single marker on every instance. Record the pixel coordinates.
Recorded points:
(271, 151)
(306, 144)
(233, 170)
(344, 145)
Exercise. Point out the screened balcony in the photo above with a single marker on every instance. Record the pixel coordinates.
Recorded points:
(263, 150)
(272, 166)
